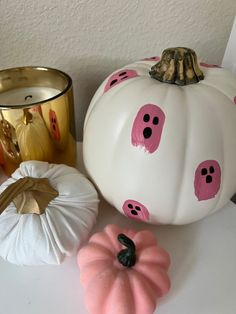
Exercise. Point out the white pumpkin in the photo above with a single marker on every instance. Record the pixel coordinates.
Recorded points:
(160, 152)
(33, 231)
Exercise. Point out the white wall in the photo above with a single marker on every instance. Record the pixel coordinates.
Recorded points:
(90, 38)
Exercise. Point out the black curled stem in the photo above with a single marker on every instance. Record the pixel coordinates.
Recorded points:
(126, 257)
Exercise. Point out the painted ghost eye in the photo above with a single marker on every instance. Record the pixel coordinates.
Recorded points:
(212, 170)
(155, 120)
(113, 82)
(146, 117)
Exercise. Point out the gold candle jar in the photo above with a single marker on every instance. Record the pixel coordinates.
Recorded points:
(36, 117)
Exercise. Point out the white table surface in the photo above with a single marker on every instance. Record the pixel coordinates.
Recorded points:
(203, 270)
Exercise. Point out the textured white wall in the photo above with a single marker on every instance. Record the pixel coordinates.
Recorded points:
(90, 38)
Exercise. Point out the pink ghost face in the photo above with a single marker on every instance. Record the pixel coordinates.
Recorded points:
(156, 58)
(147, 127)
(207, 65)
(207, 180)
(135, 210)
(119, 77)
(36, 109)
(55, 132)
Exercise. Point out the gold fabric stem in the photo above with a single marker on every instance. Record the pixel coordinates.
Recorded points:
(30, 195)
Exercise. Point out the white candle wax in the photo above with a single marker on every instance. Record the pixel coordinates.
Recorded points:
(27, 95)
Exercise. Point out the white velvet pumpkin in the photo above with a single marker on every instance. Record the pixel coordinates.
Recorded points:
(159, 152)
(34, 239)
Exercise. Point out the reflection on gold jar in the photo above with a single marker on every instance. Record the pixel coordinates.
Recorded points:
(36, 117)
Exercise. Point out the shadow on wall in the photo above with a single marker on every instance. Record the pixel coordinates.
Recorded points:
(87, 75)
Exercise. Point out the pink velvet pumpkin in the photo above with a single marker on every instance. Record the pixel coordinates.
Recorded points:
(123, 281)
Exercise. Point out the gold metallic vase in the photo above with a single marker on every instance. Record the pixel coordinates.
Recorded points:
(36, 117)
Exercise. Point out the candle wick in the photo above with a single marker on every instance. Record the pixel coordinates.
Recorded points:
(28, 96)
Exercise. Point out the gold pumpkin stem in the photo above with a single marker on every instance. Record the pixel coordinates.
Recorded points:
(2, 116)
(30, 195)
(28, 117)
(177, 66)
